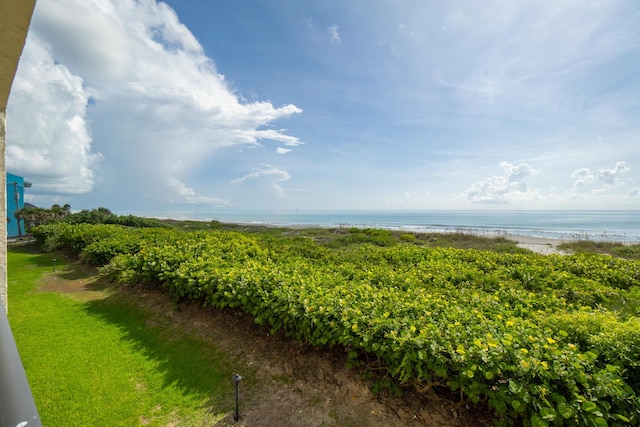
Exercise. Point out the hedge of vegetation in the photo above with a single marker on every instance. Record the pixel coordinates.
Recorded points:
(35, 216)
(542, 340)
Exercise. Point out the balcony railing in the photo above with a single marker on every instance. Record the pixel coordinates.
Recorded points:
(17, 408)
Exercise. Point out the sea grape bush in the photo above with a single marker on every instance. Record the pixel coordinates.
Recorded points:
(97, 244)
(541, 340)
(72, 237)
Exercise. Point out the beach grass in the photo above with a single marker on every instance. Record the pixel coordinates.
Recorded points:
(335, 237)
(608, 248)
(95, 358)
(463, 239)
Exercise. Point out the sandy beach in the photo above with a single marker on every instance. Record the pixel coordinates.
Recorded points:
(539, 245)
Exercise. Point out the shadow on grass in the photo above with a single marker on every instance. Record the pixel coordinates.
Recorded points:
(77, 271)
(40, 258)
(170, 366)
(190, 364)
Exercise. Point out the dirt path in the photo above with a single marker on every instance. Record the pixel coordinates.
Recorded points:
(293, 384)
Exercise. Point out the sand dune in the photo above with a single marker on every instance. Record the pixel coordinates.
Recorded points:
(540, 245)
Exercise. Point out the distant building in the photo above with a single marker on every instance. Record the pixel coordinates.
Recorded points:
(15, 200)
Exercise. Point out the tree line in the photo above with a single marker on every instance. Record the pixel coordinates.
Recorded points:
(35, 216)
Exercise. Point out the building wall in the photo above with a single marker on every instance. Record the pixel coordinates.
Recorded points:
(15, 16)
(15, 201)
(3, 210)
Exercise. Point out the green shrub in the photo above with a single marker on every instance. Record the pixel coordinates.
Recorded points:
(543, 340)
(408, 237)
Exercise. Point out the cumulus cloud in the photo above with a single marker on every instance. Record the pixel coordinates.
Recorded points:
(582, 177)
(609, 178)
(268, 178)
(281, 150)
(501, 189)
(48, 135)
(612, 177)
(89, 37)
(334, 36)
(512, 188)
(139, 90)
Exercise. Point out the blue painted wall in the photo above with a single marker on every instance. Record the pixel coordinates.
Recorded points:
(15, 201)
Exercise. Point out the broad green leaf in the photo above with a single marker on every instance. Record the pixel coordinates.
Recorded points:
(622, 418)
(536, 421)
(514, 386)
(548, 414)
(589, 406)
(566, 411)
(600, 422)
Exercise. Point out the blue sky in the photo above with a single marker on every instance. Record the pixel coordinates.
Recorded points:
(201, 106)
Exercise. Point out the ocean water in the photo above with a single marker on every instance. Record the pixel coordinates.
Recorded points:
(601, 225)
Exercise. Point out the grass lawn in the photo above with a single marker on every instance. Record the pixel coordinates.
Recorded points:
(93, 358)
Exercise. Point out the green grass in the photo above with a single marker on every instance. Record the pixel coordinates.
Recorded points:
(105, 361)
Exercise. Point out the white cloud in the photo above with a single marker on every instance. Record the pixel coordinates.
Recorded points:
(48, 135)
(274, 135)
(89, 37)
(268, 178)
(136, 110)
(582, 177)
(612, 177)
(588, 190)
(503, 189)
(180, 193)
(159, 109)
(334, 36)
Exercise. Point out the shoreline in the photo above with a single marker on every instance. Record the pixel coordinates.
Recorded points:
(570, 226)
(540, 245)
(544, 245)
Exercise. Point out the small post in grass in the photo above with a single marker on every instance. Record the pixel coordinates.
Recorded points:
(54, 265)
(236, 380)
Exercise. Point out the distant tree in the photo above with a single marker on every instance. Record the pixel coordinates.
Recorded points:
(93, 216)
(35, 216)
(104, 211)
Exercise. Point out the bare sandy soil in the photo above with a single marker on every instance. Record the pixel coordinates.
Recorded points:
(305, 386)
(540, 245)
